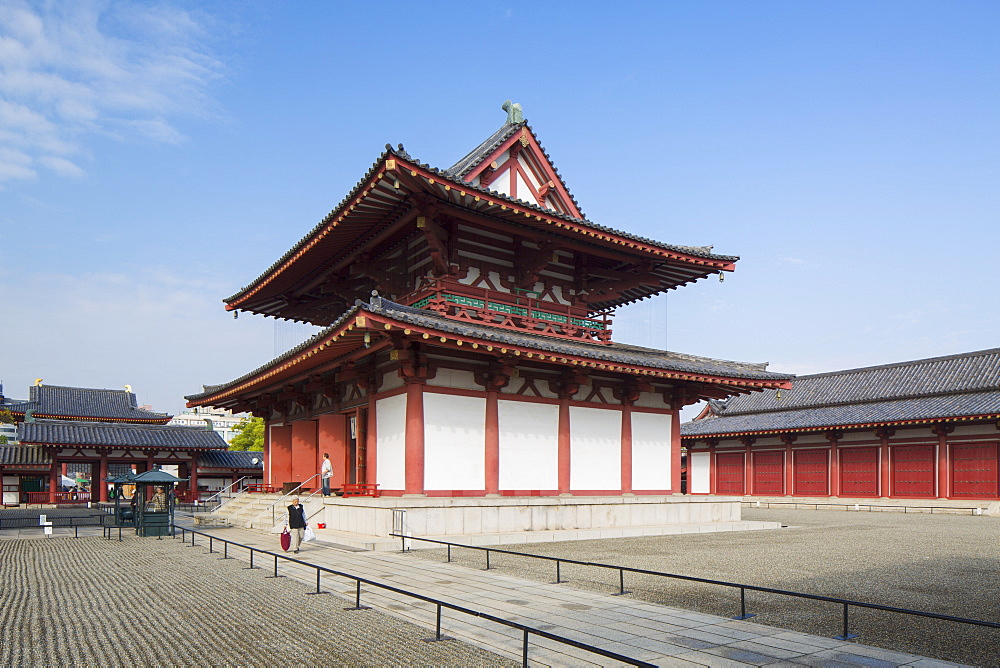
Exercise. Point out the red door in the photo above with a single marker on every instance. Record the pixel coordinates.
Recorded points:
(729, 467)
(812, 472)
(974, 471)
(913, 470)
(768, 473)
(859, 471)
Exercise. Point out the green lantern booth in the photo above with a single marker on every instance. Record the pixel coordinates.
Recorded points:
(154, 502)
(124, 514)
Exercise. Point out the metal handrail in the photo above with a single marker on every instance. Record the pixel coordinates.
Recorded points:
(526, 630)
(858, 506)
(690, 578)
(292, 492)
(221, 491)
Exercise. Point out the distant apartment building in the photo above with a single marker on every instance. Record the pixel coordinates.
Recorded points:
(222, 421)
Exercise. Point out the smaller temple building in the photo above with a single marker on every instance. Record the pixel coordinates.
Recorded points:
(928, 428)
(98, 433)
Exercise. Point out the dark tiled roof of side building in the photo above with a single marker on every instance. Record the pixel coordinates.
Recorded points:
(86, 403)
(118, 434)
(616, 352)
(232, 459)
(963, 385)
(24, 455)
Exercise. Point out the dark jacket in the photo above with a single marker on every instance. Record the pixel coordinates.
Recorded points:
(297, 517)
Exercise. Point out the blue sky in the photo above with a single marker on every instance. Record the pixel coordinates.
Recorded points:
(157, 156)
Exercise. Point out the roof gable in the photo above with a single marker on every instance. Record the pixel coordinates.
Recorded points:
(511, 162)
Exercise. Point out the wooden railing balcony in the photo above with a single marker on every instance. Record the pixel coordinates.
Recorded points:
(515, 312)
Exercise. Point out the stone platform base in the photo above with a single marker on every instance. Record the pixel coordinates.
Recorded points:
(495, 520)
(867, 504)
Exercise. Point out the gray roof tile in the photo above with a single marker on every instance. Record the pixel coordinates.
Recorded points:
(118, 434)
(82, 402)
(953, 386)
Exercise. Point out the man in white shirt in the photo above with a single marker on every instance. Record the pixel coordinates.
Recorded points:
(326, 473)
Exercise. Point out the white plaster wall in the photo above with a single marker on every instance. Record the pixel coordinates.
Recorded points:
(650, 400)
(529, 445)
(390, 433)
(454, 442)
(213, 484)
(699, 469)
(10, 497)
(470, 277)
(527, 170)
(458, 379)
(391, 381)
(523, 192)
(595, 448)
(650, 451)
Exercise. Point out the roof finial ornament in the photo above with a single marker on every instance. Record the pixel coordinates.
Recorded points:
(514, 113)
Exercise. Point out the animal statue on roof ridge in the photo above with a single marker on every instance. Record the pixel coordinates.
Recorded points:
(514, 113)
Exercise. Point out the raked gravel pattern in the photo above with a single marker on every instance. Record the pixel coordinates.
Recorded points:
(948, 564)
(88, 601)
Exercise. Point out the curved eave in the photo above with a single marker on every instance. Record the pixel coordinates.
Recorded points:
(985, 417)
(679, 265)
(340, 340)
(87, 418)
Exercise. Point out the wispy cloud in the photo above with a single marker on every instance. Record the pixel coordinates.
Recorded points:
(73, 69)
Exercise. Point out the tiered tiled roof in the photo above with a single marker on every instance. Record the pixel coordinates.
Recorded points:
(24, 456)
(615, 353)
(117, 434)
(80, 403)
(955, 387)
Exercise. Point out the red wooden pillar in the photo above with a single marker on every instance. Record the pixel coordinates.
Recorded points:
(788, 439)
(943, 470)
(55, 481)
(675, 448)
(414, 436)
(102, 473)
(833, 437)
(626, 439)
(332, 430)
(492, 442)
(371, 473)
(279, 455)
(193, 475)
(713, 469)
(883, 468)
(747, 465)
(564, 445)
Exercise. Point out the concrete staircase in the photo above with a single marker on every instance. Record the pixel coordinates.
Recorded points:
(238, 512)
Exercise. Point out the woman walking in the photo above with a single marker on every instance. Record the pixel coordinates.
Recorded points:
(297, 523)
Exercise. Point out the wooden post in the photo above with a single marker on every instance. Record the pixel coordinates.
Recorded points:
(492, 443)
(626, 451)
(943, 477)
(414, 436)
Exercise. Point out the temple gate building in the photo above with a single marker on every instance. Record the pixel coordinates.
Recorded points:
(926, 429)
(468, 349)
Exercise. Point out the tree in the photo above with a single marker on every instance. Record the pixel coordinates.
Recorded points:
(6, 417)
(249, 434)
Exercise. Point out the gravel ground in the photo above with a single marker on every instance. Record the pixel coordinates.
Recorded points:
(947, 564)
(87, 601)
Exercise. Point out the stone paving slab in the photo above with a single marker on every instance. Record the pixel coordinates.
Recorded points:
(697, 638)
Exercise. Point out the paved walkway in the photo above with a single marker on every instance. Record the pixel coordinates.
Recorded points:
(658, 634)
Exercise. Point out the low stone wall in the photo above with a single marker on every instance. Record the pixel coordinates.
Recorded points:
(430, 516)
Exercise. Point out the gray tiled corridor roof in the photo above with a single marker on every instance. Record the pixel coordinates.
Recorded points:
(954, 386)
(64, 432)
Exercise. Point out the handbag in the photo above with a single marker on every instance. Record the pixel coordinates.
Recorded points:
(309, 534)
(286, 539)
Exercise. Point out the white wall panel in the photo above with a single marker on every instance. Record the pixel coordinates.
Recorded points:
(390, 434)
(595, 448)
(455, 378)
(651, 451)
(454, 442)
(699, 470)
(529, 445)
